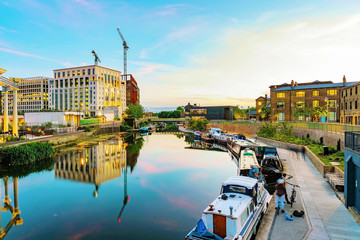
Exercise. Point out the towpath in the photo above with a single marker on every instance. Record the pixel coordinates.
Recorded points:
(326, 216)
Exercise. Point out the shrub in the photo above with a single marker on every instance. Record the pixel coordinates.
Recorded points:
(267, 131)
(27, 153)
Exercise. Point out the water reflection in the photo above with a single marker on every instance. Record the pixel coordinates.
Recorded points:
(8, 207)
(96, 164)
(198, 144)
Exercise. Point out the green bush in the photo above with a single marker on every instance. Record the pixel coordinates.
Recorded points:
(267, 130)
(26, 153)
(172, 127)
(198, 124)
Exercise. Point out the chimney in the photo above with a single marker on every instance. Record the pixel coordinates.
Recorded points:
(344, 80)
(292, 83)
(265, 96)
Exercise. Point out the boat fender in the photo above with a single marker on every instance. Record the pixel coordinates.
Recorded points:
(288, 217)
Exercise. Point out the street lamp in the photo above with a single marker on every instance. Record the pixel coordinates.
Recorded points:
(327, 110)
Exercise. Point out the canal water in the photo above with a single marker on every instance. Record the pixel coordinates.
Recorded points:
(149, 187)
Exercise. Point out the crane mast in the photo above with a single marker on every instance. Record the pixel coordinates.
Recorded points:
(126, 47)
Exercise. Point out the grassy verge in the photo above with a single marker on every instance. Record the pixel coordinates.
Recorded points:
(283, 133)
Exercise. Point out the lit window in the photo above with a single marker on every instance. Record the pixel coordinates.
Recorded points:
(332, 116)
(315, 103)
(280, 105)
(259, 103)
(300, 94)
(280, 95)
(315, 93)
(300, 104)
(332, 92)
(332, 103)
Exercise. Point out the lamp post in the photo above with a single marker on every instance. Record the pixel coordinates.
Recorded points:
(327, 110)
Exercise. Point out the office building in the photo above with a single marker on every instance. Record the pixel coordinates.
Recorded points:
(209, 112)
(89, 89)
(132, 90)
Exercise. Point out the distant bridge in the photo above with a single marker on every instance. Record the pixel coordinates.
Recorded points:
(153, 119)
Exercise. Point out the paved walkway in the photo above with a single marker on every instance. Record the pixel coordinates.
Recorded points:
(327, 215)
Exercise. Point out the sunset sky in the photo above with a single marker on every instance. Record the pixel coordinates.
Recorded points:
(206, 52)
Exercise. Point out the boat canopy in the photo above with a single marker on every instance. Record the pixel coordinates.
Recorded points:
(241, 181)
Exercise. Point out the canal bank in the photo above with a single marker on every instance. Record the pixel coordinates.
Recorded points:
(327, 216)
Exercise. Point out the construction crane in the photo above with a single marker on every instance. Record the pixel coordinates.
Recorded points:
(126, 47)
(97, 59)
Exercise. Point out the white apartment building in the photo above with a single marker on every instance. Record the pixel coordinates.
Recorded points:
(32, 94)
(88, 89)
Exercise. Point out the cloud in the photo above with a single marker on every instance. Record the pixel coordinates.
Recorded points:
(8, 30)
(66, 64)
(180, 34)
(249, 62)
(150, 67)
(170, 9)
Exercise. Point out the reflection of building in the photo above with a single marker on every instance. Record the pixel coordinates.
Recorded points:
(295, 101)
(132, 90)
(209, 112)
(89, 89)
(14, 210)
(32, 94)
(96, 164)
(63, 118)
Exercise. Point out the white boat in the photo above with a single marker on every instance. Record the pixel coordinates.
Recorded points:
(236, 213)
(215, 131)
(247, 160)
(222, 138)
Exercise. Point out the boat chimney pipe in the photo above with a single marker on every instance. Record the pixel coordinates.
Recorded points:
(231, 210)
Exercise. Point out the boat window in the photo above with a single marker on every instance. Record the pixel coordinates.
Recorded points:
(244, 216)
(234, 189)
(251, 207)
(248, 154)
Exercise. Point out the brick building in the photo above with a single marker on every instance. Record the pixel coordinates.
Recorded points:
(260, 103)
(349, 104)
(132, 90)
(295, 102)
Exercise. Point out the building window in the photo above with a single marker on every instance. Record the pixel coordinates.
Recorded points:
(356, 90)
(301, 118)
(332, 103)
(350, 91)
(342, 106)
(332, 92)
(300, 104)
(280, 95)
(350, 105)
(345, 106)
(315, 93)
(280, 105)
(73, 73)
(281, 117)
(315, 103)
(332, 116)
(63, 74)
(89, 71)
(300, 94)
(355, 105)
(259, 103)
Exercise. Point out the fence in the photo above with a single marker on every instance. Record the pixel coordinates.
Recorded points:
(352, 140)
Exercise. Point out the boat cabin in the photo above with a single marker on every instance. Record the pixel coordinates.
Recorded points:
(215, 131)
(236, 146)
(247, 160)
(227, 215)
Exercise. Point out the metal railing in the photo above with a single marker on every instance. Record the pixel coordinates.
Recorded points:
(352, 140)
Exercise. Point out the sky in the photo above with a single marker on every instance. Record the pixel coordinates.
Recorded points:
(202, 51)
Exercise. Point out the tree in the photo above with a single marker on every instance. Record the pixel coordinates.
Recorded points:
(265, 113)
(239, 113)
(319, 112)
(135, 111)
(181, 109)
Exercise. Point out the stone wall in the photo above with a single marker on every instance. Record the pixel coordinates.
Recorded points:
(247, 130)
(327, 138)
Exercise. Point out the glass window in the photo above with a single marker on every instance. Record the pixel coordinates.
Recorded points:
(350, 91)
(300, 104)
(332, 116)
(332, 92)
(332, 103)
(63, 74)
(280, 95)
(88, 71)
(259, 103)
(350, 105)
(315, 103)
(356, 90)
(280, 105)
(315, 93)
(281, 117)
(355, 105)
(300, 94)
(244, 217)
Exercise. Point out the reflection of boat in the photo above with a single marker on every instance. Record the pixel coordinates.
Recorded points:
(144, 129)
(236, 213)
